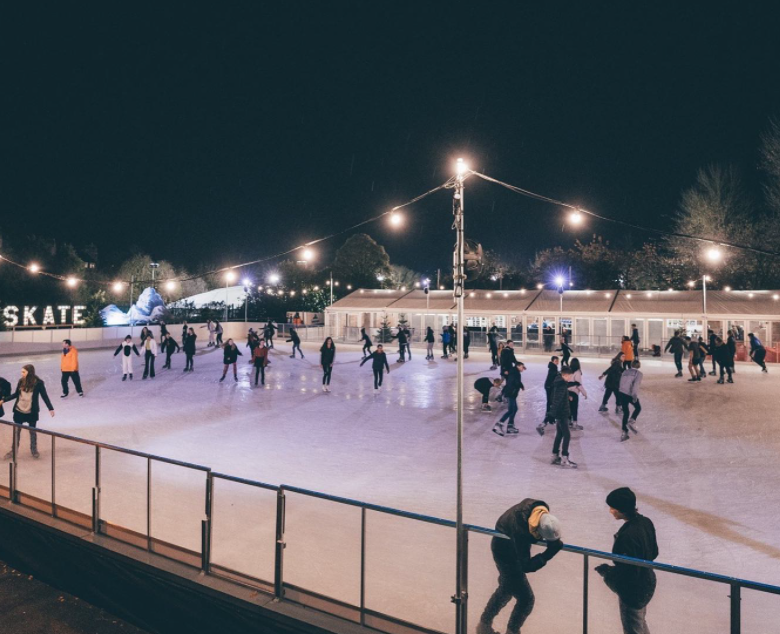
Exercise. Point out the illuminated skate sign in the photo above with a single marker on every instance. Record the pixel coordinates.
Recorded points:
(43, 316)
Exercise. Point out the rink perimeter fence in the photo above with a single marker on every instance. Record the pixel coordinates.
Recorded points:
(44, 340)
(396, 567)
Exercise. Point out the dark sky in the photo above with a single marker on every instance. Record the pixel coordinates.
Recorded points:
(213, 137)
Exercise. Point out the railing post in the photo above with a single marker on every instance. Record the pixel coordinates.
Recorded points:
(206, 526)
(362, 565)
(462, 601)
(585, 594)
(96, 494)
(736, 616)
(53, 478)
(149, 504)
(280, 545)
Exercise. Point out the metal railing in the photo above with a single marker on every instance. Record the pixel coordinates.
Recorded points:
(359, 611)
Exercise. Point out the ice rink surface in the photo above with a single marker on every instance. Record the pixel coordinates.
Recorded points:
(704, 466)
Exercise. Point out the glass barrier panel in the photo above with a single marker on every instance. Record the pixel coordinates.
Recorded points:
(410, 570)
(123, 490)
(178, 505)
(323, 547)
(33, 476)
(243, 529)
(760, 611)
(74, 471)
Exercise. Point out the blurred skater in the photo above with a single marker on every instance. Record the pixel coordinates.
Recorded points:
(493, 346)
(561, 411)
(630, 381)
(150, 353)
(169, 346)
(188, 345)
(487, 388)
(127, 348)
(260, 360)
(676, 345)
(327, 356)
(366, 342)
(430, 341)
(694, 359)
(514, 384)
(218, 330)
(635, 340)
(378, 365)
(445, 342)
(212, 329)
(296, 342)
(722, 354)
(552, 372)
(230, 357)
(627, 348)
(268, 332)
(565, 351)
(576, 389)
(757, 351)
(612, 384)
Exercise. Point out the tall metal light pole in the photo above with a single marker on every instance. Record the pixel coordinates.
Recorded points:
(459, 282)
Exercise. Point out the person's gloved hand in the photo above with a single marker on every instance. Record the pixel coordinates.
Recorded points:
(553, 548)
(602, 569)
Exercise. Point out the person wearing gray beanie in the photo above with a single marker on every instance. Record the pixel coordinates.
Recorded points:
(524, 524)
(634, 585)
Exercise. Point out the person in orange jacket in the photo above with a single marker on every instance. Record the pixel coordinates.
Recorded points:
(627, 348)
(69, 364)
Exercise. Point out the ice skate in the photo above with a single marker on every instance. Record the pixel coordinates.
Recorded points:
(235, 378)
(540, 429)
(617, 411)
(692, 380)
(124, 377)
(511, 429)
(679, 374)
(730, 380)
(764, 370)
(556, 459)
(624, 436)
(487, 408)
(131, 377)
(632, 426)
(484, 628)
(498, 428)
(568, 464)
(712, 374)
(721, 381)
(35, 453)
(63, 396)
(292, 356)
(493, 367)
(222, 379)
(575, 427)
(603, 409)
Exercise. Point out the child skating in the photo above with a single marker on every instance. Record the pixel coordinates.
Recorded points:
(127, 348)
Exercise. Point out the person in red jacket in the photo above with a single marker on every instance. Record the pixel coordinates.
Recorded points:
(260, 360)
(69, 365)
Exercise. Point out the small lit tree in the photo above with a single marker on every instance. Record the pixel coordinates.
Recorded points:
(385, 333)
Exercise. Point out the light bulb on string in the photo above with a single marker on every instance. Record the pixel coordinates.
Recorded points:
(72, 282)
(117, 287)
(576, 217)
(170, 285)
(230, 276)
(308, 255)
(396, 219)
(714, 254)
(34, 268)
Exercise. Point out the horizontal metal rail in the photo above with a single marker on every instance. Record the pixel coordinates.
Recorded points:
(251, 483)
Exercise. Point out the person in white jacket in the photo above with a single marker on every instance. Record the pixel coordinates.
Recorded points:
(576, 389)
(630, 381)
(150, 352)
(127, 348)
(212, 328)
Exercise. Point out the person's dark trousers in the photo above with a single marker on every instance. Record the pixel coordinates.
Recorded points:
(327, 371)
(633, 619)
(148, 364)
(270, 341)
(494, 355)
(636, 350)
(260, 371)
(32, 421)
(378, 374)
(190, 365)
(297, 346)
(444, 349)
(219, 338)
(511, 584)
(625, 401)
(702, 371)
(547, 418)
(485, 395)
(713, 363)
(366, 349)
(566, 357)
(626, 365)
(725, 369)
(402, 352)
(465, 349)
(225, 371)
(168, 360)
(607, 393)
(678, 361)
(574, 405)
(758, 357)
(409, 350)
(76, 382)
(511, 412)
(562, 433)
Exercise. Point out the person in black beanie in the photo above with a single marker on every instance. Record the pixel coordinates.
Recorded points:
(524, 524)
(634, 585)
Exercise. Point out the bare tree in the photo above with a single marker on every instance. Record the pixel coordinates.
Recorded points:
(770, 165)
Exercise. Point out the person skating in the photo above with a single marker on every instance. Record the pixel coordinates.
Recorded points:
(327, 356)
(722, 354)
(212, 330)
(676, 345)
(612, 384)
(712, 344)
(127, 348)
(430, 341)
(731, 342)
(184, 329)
(366, 342)
(269, 332)
(627, 348)
(493, 346)
(230, 357)
(566, 351)
(260, 360)
(445, 342)
(145, 332)
(378, 365)
(635, 340)
(296, 342)
(188, 345)
(484, 386)
(27, 408)
(552, 372)
(163, 331)
(5, 390)
(634, 585)
(401, 335)
(466, 343)
(694, 357)
(218, 330)
(453, 345)
(757, 351)
(704, 350)
(630, 381)
(169, 346)
(561, 411)
(69, 366)
(150, 353)
(576, 389)
(524, 524)
(514, 383)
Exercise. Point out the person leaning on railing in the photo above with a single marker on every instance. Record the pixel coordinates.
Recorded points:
(525, 524)
(634, 585)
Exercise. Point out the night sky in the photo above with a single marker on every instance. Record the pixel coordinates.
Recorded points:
(216, 137)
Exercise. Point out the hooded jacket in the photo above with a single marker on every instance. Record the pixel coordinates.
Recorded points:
(189, 344)
(676, 345)
(552, 372)
(513, 555)
(327, 355)
(559, 407)
(630, 381)
(613, 374)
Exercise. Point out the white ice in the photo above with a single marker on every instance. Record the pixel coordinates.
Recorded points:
(704, 466)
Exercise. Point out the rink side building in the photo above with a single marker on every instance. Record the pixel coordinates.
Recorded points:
(594, 320)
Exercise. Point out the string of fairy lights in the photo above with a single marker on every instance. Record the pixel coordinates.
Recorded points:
(306, 254)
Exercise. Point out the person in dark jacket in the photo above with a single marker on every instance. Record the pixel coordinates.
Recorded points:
(378, 365)
(560, 410)
(430, 341)
(327, 355)
(169, 346)
(676, 346)
(163, 331)
(403, 341)
(188, 345)
(722, 355)
(711, 345)
(508, 359)
(694, 359)
(5, 390)
(127, 348)
(612, 384)
(635, 340)
(27, 408)
(493, 345)
(184, 330)
(268, 334)
(514, 383)
(552, 372)
(296, 342)
(524, 524)
(483, 386)
(366, 342)
(466, 343)
(260, 360)
(731, 342)
(453, 338)
(757, 351)
(634, 585)
(565, 349)
(230, 357)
